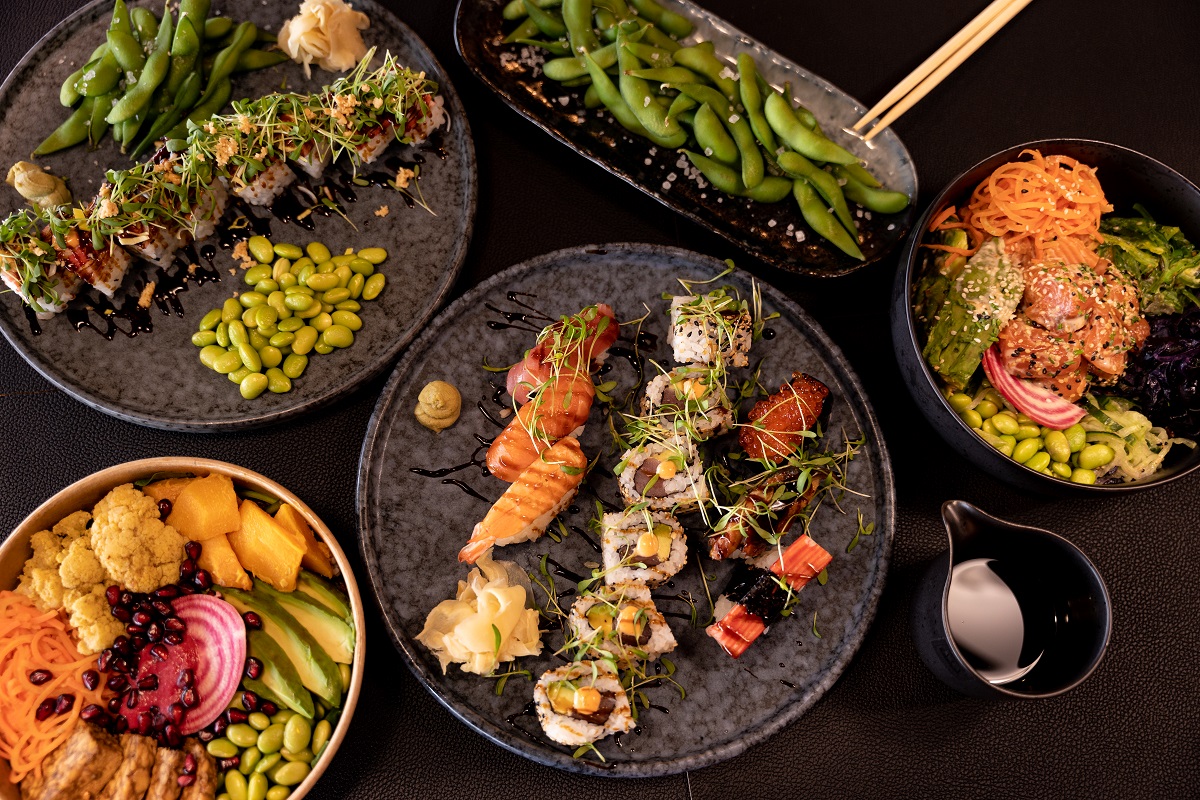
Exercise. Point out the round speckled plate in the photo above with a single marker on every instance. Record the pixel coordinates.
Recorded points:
(413, 526)
(156, 379)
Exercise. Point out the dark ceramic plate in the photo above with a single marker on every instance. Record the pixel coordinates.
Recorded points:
(768, 231)
(156, 379)
(413, 526)
(1127, 177)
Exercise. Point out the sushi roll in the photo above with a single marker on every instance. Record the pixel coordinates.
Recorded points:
(424, 118)
(714, 329)
(156, 243)
(313, 160)
(207, 210)
(377, 140)
(29, 263)
(263, 188)
(102, 268)
(620, 622)
(582, 703)
(645, 547)
(691, 401)
(663, 475)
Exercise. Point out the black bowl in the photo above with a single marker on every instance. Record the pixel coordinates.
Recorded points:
(1128, 177)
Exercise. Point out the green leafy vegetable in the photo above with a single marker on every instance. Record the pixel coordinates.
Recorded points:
(1159, 260)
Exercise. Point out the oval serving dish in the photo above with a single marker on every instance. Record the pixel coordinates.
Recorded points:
(1127, 177)
(84, 493)
(774, 232)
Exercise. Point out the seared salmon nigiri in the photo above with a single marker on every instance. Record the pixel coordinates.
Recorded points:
(536, 497)
(557, 410)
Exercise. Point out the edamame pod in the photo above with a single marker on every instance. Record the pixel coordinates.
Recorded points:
(712, 137)
(68, 94)
(72, 131)
(515, 9)
(637, 95)
(668, 75)
(100, 76)
(870, 198)
(752, 160)
(783, 121)
(798, 166)
(677, 25)
(145, 24)
(820, 220)
(153, 73)
(701, 59)
(525, 30)
(218, 27)
(126, 50)
(547, 22)
(577, 16)
(752, 101)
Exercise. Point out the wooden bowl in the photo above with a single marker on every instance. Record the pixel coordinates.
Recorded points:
(85, 493)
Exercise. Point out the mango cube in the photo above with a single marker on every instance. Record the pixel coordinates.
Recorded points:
(317, 557)
(166, 489)
(222, 563)
(206, 508)
(267, 549)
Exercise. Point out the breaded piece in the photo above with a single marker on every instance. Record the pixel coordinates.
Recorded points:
(133, 776)
(79, 769)
(205, 785)
(164, 780)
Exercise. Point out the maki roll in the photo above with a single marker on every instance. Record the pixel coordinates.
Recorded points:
(98, 261)
(663, 475)
(210, 204)
(645, 547)
(690, 400)
(263, 187)
(620, 622)
(714, 329)
(29, 264)
(582, 703)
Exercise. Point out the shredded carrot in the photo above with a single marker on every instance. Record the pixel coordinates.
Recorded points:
(938, 222)
(1040, 200)
(32, 639)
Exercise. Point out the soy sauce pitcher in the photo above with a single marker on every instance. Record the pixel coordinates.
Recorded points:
(1009, 610)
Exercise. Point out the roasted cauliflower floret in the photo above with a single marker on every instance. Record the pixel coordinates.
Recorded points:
(80, 568)
(94, 625)
(40, 579)
(134, 546)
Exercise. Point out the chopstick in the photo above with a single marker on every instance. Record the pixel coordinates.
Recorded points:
(922, 80)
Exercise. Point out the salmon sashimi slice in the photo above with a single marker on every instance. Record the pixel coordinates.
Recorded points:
(802, 561)
(536, 497)
(559, 409)
(777, 424)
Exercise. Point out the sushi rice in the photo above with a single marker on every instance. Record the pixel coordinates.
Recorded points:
(603, 643)
(569, 730)
(618, 540)
(690, 400)
(660, 490)
(702, 332)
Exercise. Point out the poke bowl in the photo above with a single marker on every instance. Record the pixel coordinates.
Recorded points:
(1029, 292)
(136, 689)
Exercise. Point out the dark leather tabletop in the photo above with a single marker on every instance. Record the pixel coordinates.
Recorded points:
(1103, 69)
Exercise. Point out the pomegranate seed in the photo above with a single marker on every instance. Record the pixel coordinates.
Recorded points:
(120, 725)
(268, 708)
(167, 592)
(121, 613)
(186, 590)
(45, 709)
(173, 639)
(158, 721)
(104, 659)
(153, 632)
(137, 642)
(121, 645)
(251, 701)
(254, 668)
(133, 629)
(143, 722)
(131, 699)
(235, 716)
(253, 620)
(114, 705)
(187, 569)
(186, 678)
(219, 725)
(142, 618)
(116, 682)
(92, 713)
(158, 651)
(40, 676)
(126, 598)
(113, 595)
(175, 624)
(193, 550)
(203, 580)
(148, 683)
(189, 764)
(64, 703)
(120, 665)
(91, 679)
(186, 780)
(161, 607)
(206, 736)
(164, 508)
(188, 697)
(175, 713)
(227, 764)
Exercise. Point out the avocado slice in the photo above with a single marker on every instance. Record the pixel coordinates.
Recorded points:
(561, 695)
(317, 671)
(600, 617)
(662, 532)
(326, 594)
(279, 683)
(332, 633)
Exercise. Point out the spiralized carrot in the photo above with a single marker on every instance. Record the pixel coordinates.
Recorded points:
(1040, 200)
(947, 220)
(31, 639)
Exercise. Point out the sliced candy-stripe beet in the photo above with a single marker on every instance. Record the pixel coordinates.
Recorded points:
(213, 649)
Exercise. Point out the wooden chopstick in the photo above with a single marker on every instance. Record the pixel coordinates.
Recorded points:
(930, 73)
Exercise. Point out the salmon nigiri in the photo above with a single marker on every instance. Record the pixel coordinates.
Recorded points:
(557, 410)
(571, 344)
(537, 496)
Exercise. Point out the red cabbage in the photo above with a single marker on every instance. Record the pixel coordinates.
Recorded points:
(1164, 375)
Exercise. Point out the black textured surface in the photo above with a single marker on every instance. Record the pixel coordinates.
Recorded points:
(1105, 70)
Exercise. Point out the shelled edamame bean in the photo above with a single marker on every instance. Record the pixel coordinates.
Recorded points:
(1064, 454)
(294, 308)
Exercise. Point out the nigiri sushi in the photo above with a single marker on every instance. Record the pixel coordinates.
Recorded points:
(560, 408)
(645, 547)
(620, 622)
(536, 497)
(29, 264)
(777, 425)
(757, 597)
(576, 342)
(582, 703)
